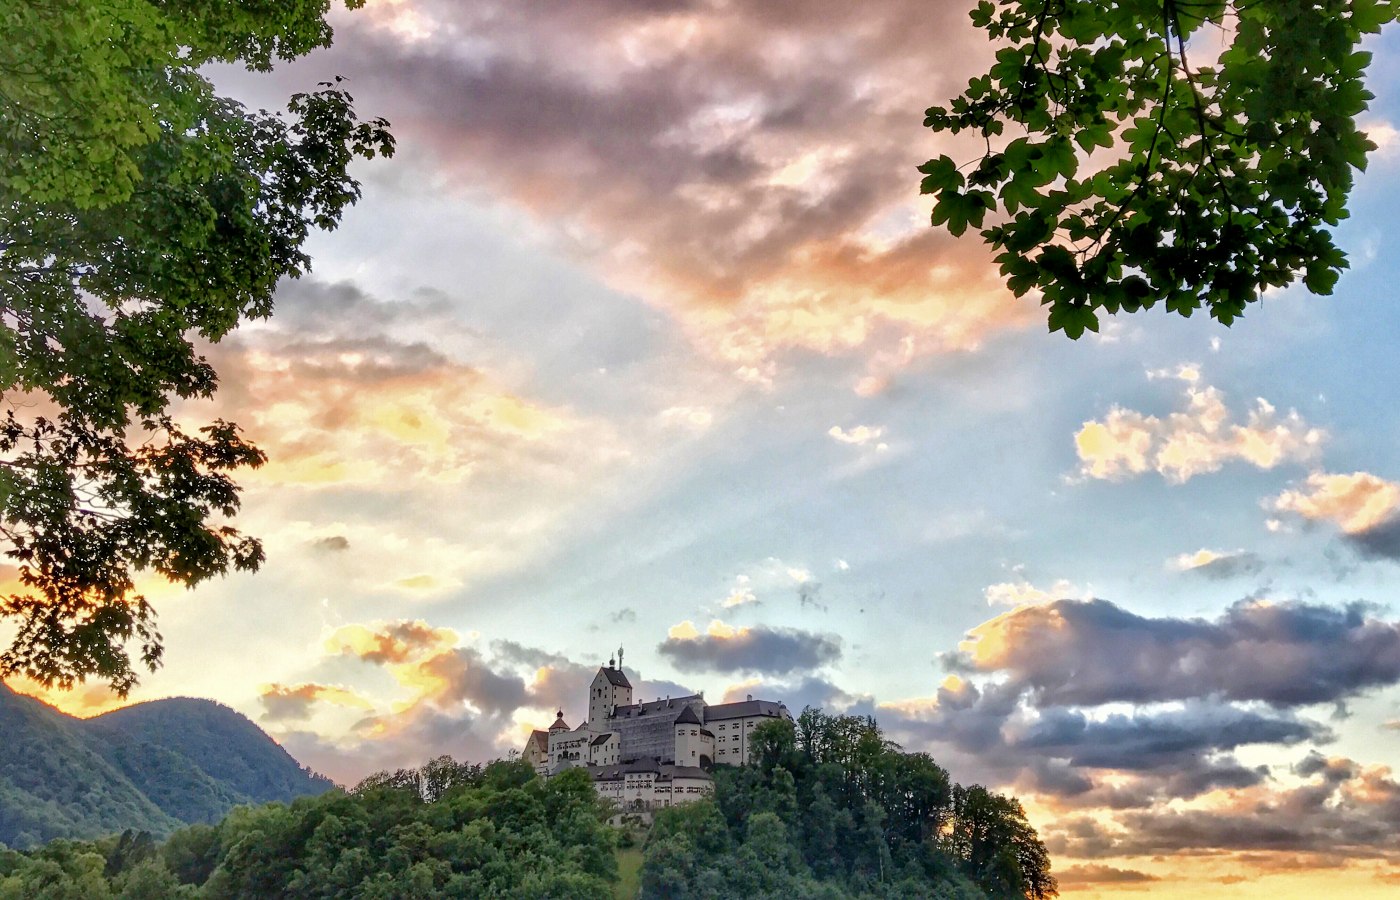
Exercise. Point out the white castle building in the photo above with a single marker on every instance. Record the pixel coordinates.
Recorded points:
(649, 755)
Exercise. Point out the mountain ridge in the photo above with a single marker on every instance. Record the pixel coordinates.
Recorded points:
(152, 766)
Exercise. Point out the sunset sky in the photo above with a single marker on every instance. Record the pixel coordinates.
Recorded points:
(643, 339)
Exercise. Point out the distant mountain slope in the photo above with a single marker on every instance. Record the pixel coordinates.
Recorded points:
(150, 767)
(216, 757)
(54, 784)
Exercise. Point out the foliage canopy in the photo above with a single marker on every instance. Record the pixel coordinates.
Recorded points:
(831, 809)
(140, 213)
(1192, 153)
(490, 831)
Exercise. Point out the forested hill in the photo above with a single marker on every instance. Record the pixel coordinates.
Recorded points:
(826, 810)
(148, 767)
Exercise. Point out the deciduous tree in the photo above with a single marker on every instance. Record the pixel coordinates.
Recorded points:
(140, 214)
(1188, 153)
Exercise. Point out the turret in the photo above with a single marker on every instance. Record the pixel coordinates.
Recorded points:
(610, 689)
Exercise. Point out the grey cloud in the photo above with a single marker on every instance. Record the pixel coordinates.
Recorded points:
(283, 703)
(560, 682)
(1100, 874)
(996, 733)
(334, 543)
(1092, 652)
(1154, 741)
(407, 740)
(813, 691)
(468, 677)
(761, 649)
(1345, 812)
(1233, 565)
(1381, 541)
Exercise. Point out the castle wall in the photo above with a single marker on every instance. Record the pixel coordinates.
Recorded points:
(646, 730)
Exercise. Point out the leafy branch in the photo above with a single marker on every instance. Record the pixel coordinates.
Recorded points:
(1132, 178)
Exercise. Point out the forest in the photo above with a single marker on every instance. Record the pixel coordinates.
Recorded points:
(831, 809)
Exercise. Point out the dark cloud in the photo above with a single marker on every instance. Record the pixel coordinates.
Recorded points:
(994, 734)
(284, 703)
(560, 683)
(334, 543)
(812, 691)
(761, 649)
(1231, 565)
(1344, 812)
(292, 703)
(1381, 541)
(467, 677)
(1074, 876)
(1078, 653)
(1170, 740)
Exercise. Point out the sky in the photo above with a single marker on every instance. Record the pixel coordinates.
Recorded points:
(642, 339)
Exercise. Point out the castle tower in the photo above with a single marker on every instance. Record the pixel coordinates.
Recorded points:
(610, 689)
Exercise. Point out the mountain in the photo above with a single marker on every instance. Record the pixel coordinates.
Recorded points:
(152, 767)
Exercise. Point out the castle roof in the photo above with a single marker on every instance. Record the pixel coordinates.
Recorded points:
(744, 709)
(616, 677)
(600, 739)
(661, 771)
(687, 717)
(652, 707)
(559, 724)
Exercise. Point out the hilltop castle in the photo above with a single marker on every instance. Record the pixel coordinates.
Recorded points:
(645, 756)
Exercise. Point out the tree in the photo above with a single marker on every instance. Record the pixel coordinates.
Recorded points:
(997, 847)
(140, 212)
(1123, 166)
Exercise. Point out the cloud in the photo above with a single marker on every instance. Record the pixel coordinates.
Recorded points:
(1094, 652)
(860, 436)
(1346, 812)
(1091, 874)
(1200, 438)
(1219, 565)
(1363, 506)
(294, 702)
(1157, 741)
(1021, 593)
(801, 692)
(742, 595)
(444, 695)
(760, 649)
(335, 543)
(392, 642)
(1001, 733)
(749, 171)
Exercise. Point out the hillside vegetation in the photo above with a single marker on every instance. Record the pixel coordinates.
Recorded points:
(829, 810)
(150, 767)
(832, 810)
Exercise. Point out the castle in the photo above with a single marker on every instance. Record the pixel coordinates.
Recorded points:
(646, 756)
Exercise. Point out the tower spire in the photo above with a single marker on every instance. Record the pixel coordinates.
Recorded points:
(619, 657)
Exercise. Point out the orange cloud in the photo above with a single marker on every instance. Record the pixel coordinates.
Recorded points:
(752, 174)
(1354, 503)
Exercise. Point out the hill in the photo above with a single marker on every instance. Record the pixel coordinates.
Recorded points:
(151, 767)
